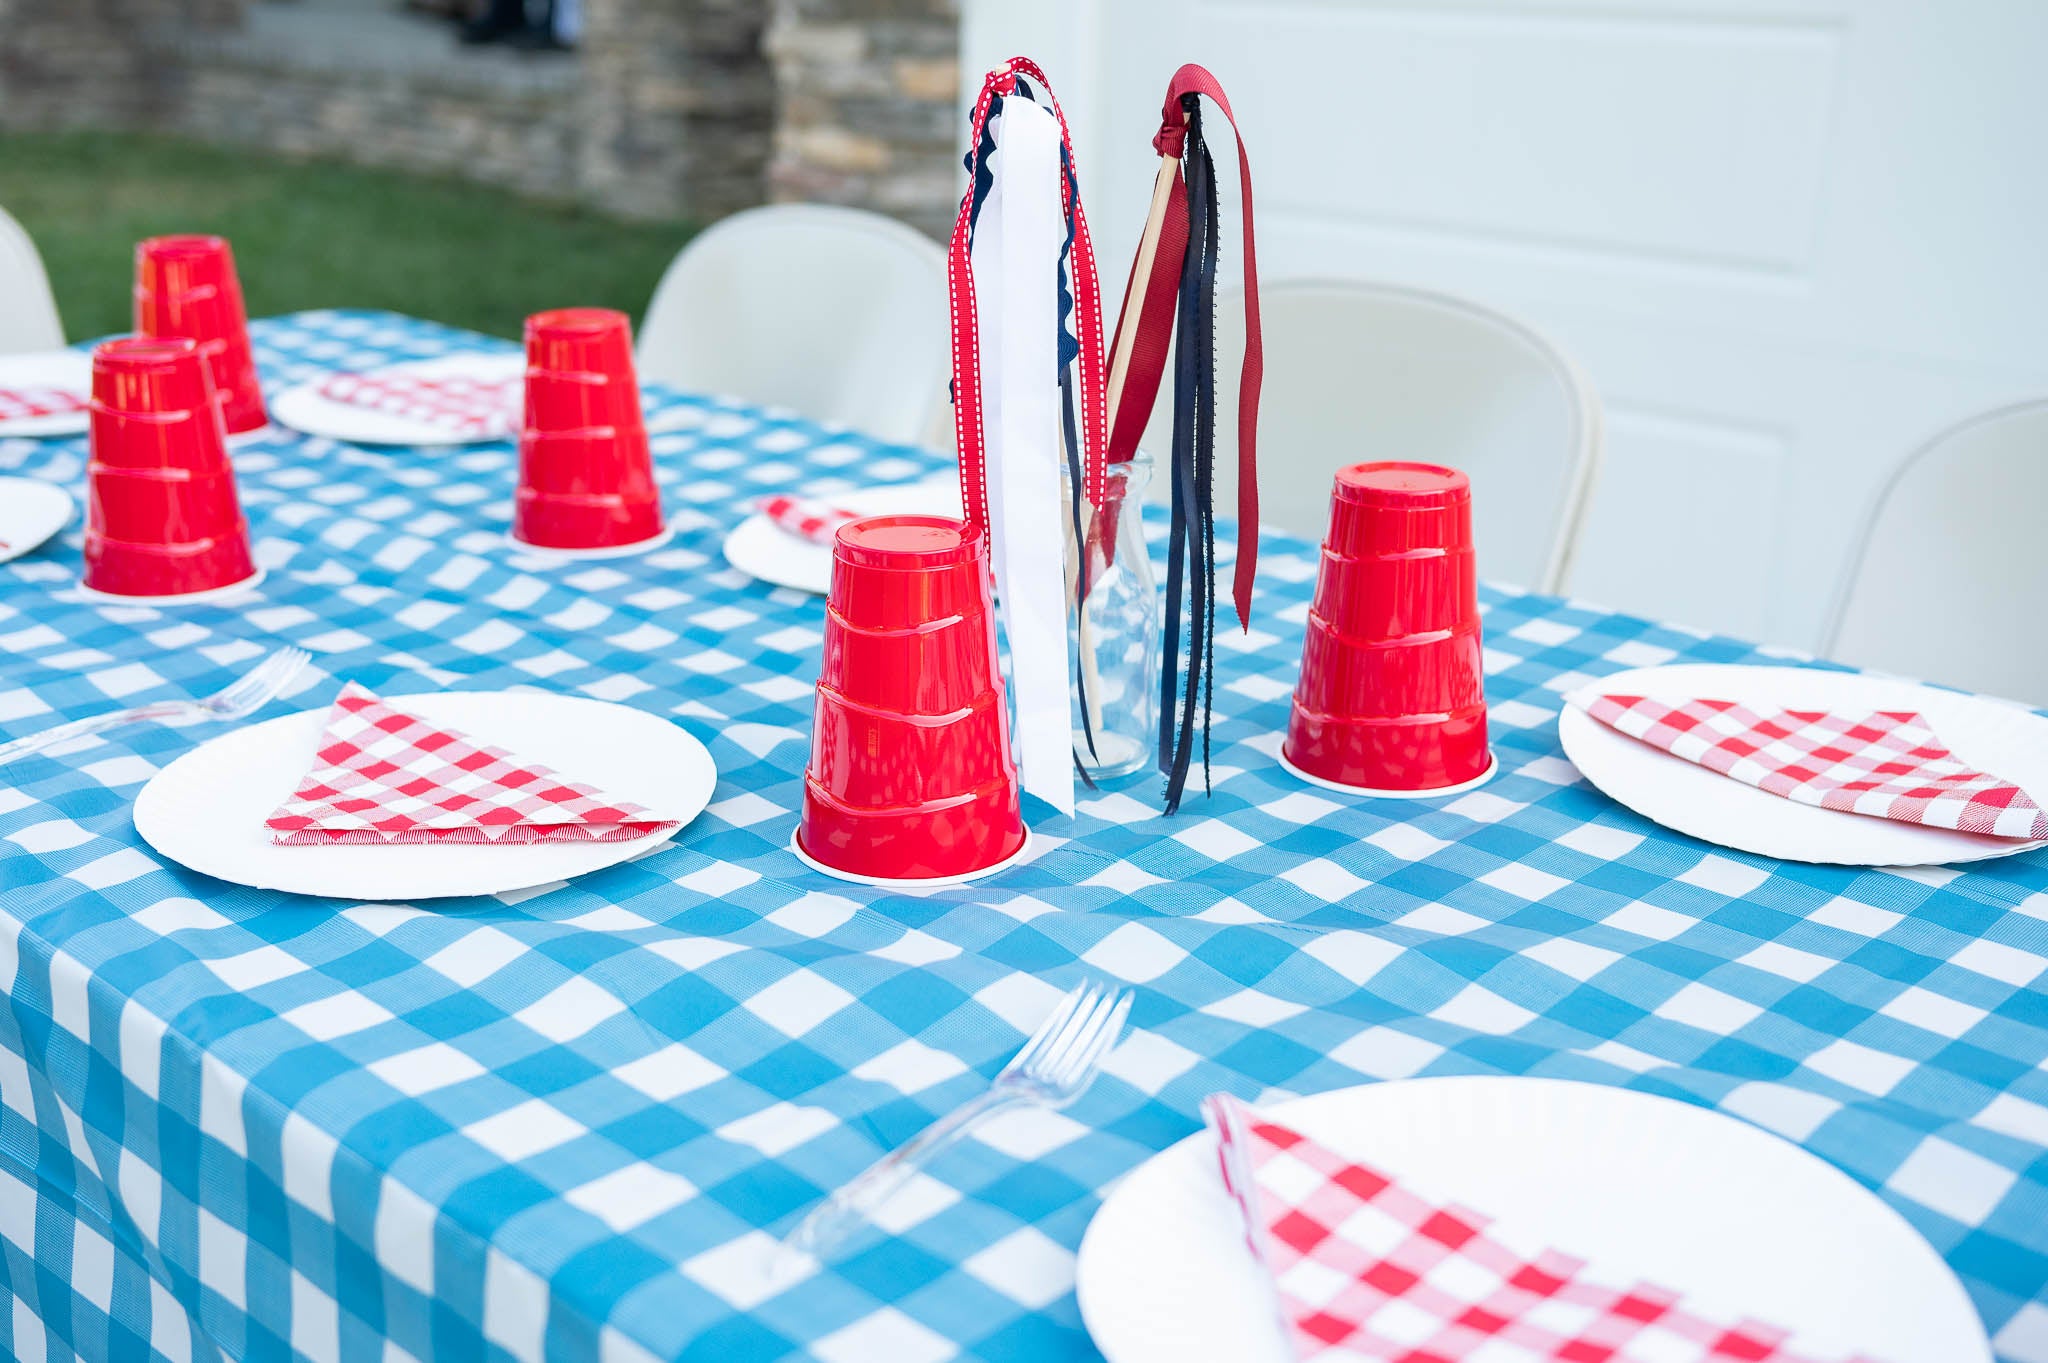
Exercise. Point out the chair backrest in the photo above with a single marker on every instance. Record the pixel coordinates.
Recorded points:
(28, 311)
(1947, 578)
(836, 313)
(1358, 371)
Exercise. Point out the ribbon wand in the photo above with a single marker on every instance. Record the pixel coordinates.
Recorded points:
(1169, 309)
(1096, 546)
(1137, 346)
(1164, 186)
(1020, 264)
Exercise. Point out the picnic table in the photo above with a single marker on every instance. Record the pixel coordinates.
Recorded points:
(567, 1123)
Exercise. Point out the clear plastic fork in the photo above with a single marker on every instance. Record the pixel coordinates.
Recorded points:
(245, 696)
(1055, 1067)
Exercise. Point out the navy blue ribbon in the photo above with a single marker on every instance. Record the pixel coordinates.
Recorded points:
(1187, 704)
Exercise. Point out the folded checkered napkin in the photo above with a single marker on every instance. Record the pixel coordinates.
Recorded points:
(809, 520)
(1885, 763)
(464, 406)
(383, 776)
(20, 404)
(1370, 1271)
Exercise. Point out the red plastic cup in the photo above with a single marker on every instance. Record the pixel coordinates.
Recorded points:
(186, 286)
(162, 517)
(586, 477)
(910, 776)
(1391, 698)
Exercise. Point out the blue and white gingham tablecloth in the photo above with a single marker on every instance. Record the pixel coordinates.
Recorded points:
(563, 1124)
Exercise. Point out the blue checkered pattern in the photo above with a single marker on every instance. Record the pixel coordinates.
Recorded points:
(566, 1123)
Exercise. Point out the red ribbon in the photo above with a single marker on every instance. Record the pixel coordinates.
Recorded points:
(1152, 337)
(967, 419)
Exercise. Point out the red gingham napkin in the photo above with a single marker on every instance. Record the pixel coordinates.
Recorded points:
(19, 404)
(463, 405)
(383, 776)
(1369, 1271)
(809, 520)
(1887, 763)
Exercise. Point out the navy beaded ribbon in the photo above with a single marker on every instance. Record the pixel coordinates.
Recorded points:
(1185, 701)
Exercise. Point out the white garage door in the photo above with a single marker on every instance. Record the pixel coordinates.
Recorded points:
(1788, 238)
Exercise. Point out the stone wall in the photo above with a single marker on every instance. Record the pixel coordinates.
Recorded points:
(678, 106)
(506, 137)
(866, 106)
(670, 108)
(83, 63)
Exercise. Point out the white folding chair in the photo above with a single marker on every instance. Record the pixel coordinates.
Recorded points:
(1947, 577)
(1358, 371)
(836, 313)
(28, 311)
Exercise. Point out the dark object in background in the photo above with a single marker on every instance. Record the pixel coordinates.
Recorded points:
(497, 21)
(530, 25)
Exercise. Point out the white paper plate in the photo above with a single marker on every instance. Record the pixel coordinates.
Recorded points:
(207, 597)
(1492, 767)
(1743, 1223)
(552, 557)
(70, 370)
(1704, 804)
(30, 512)
(206, 810)
(304, 409)
(760, 548)
(900, 883)
(269, 430)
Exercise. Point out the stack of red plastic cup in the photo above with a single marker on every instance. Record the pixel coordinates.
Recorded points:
(1391, 699)
(186, 286)
(586, 479)
(163, 519)
(911, 776)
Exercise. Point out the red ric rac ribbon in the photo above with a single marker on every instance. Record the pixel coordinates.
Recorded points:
(1153, 323)
(967, 418)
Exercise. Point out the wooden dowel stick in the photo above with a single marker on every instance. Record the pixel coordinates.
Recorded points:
(1141, 273)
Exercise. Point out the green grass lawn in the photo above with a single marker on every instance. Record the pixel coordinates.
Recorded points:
(311, 234)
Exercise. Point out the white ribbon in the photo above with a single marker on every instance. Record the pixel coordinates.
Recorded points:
(1017, 243)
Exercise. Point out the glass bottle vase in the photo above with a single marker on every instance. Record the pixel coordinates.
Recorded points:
(1113, 635)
